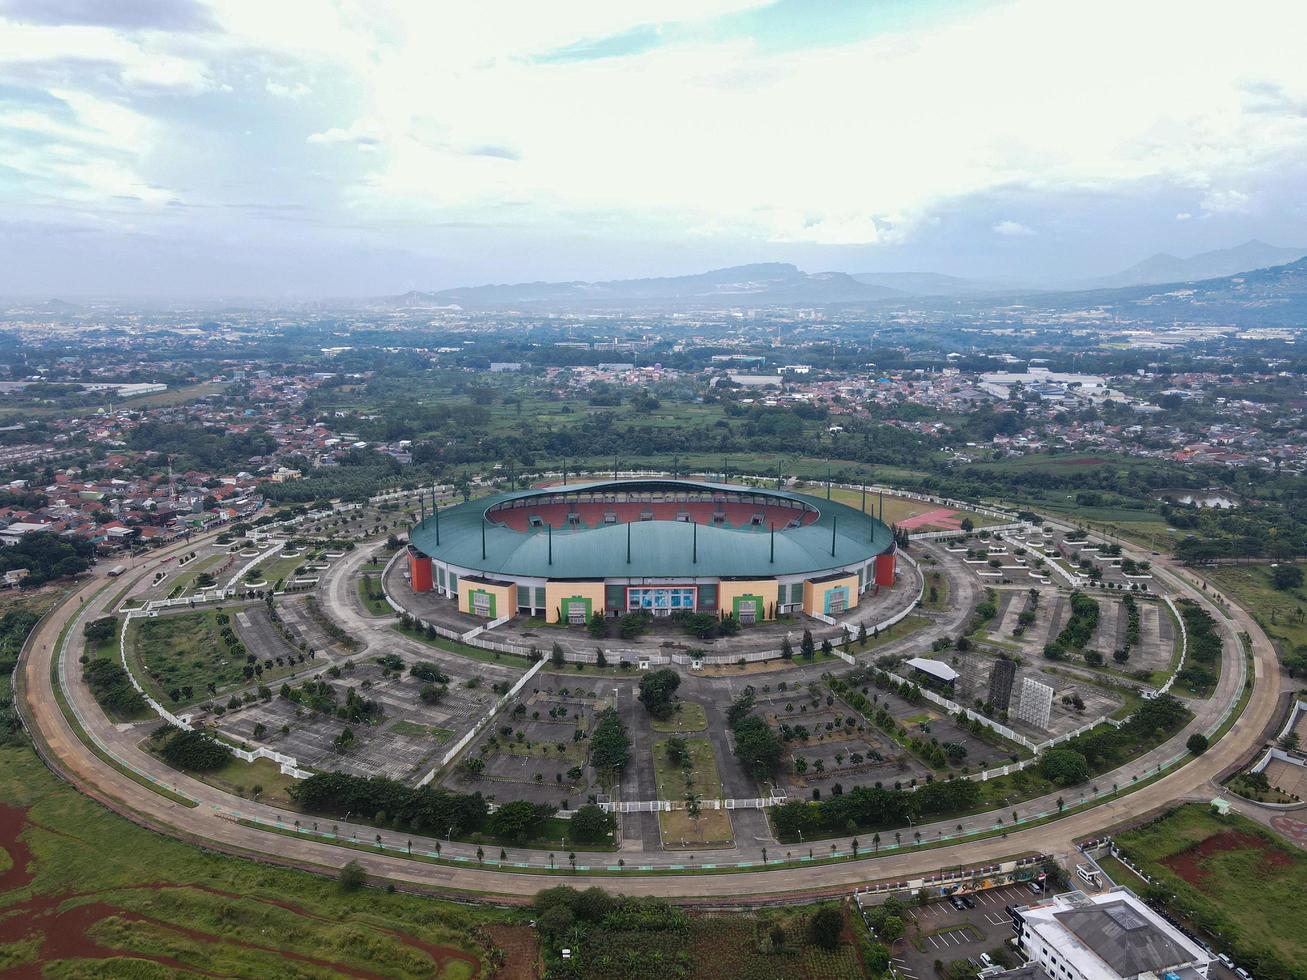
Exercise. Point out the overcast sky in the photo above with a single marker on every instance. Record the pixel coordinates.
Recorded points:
(305, 147)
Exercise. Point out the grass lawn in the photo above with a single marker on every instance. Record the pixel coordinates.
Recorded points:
(1232, 877)
(936, 586)
(713, 827)
(183, 583)
(279, 568)
(1239, 784)
(907, 625)
(414, 730)
(186, 650)
(897, 509)
(373, 604)
(464, 649)
(162, 907)
(1277, 612)
(689, 716)
(241, 777)
(573, 752)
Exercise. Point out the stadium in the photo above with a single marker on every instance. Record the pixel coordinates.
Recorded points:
(663, 546)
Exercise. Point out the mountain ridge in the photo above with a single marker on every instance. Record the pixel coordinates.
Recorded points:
(756, 284)
(1163, 267)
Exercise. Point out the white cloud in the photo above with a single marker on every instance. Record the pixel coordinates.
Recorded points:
(1183, 216)
(360, 134)
(286, 90)
(731, 135)
(1013, 229)
(854, 143)
(1227, 201)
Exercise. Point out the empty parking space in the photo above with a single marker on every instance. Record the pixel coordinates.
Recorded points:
(939, 932)
(950, 938)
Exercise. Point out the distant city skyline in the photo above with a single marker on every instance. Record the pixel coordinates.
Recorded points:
(311, 149)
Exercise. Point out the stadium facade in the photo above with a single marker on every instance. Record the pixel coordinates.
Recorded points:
(662, 546)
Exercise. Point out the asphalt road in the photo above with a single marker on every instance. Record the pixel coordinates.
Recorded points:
(213, 822)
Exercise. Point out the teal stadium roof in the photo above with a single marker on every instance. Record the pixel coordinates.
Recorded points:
(659, 548)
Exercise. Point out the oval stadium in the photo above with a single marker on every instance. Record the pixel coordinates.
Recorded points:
(662, 546)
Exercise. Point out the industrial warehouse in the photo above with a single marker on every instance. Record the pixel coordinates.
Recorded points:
(659, 546)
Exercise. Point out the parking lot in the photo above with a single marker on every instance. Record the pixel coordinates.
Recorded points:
(940, 932)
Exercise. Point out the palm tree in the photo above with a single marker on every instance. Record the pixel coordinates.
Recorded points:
(693, 807)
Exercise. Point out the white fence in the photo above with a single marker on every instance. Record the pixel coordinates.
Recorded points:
(289, 764)
(953, 708)
(253, 563)
(200, 598)
(1184, 646)
(485, 720)
(959, 533)
(666, 806)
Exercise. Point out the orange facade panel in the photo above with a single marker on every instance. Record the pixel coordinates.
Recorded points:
(885, 569)
(419, 571)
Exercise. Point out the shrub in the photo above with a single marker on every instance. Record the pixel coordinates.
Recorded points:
(825, 926)
(352, 877)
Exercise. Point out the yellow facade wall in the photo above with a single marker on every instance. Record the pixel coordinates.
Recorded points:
(505, 597)
(556, 592)
(728, 592)
(814, 593)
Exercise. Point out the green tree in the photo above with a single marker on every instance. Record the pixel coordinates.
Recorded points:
(591, 825)
(519, 820)
(658, 692)
(825, 926)
(610, 747)
(1286, 578)
(1066, 767)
